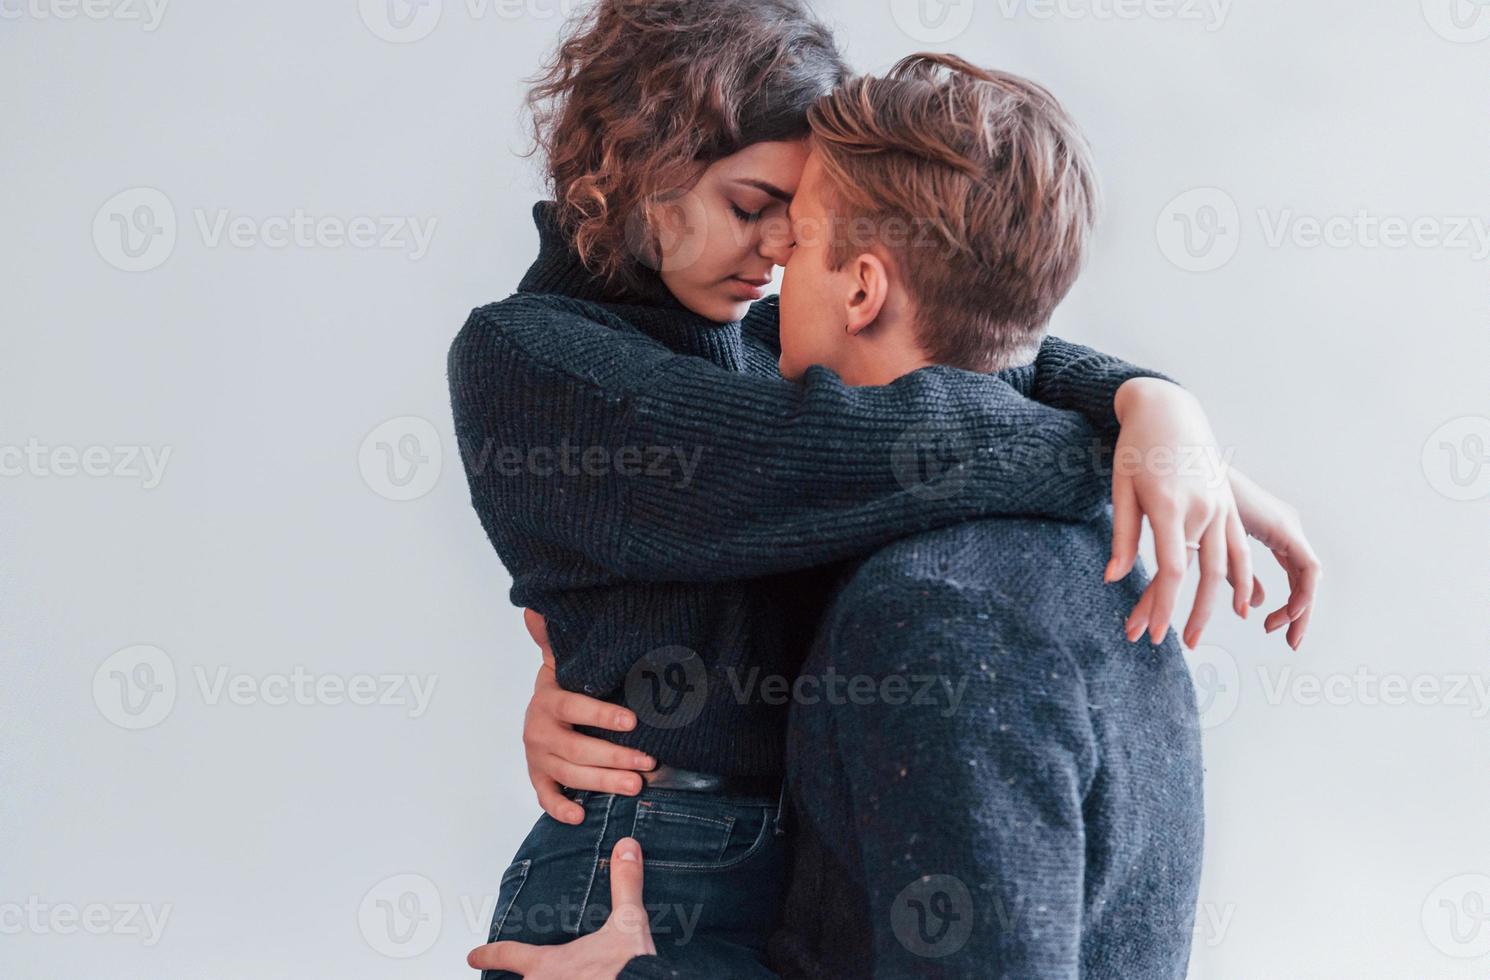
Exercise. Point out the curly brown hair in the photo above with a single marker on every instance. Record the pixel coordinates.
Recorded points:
(642, 95)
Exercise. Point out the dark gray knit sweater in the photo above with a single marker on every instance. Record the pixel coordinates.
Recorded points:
(1003, 787)
(636, 466)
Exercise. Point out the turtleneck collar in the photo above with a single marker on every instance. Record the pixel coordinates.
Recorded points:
(653, 310)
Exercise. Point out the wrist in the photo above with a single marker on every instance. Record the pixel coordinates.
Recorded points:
(1136, 394)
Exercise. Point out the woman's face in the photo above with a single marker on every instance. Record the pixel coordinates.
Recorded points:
(720, 241)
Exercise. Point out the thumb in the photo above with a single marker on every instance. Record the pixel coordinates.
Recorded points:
(537, 628)
(628, 912)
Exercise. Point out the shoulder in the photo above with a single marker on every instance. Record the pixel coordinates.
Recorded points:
(550, 333)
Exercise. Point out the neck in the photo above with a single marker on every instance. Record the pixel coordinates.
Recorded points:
(885, 350)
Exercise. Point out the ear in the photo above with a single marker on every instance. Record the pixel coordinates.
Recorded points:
(869, 280)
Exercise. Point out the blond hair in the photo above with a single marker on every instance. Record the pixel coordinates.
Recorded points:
(994, 176)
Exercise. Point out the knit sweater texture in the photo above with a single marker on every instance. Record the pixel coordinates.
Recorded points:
(647, 476)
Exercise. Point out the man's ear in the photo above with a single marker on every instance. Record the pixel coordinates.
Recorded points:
(869, 282)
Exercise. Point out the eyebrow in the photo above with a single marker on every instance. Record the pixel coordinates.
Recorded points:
(762, 185)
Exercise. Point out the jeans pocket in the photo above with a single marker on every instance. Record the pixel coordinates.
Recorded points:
(513, 880)
(682, 835)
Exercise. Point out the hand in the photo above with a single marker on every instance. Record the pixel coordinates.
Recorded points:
(558, 755)
(1277, 526)
(1169, 468)
(599, 956)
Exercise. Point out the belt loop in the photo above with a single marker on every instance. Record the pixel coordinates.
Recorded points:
(781, 811)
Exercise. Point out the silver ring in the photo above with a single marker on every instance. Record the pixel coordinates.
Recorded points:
(1192, 547)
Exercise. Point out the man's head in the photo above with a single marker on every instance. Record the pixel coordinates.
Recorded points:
(943, 213)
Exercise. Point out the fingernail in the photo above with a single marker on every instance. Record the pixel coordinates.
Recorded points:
(643, 762)
(627, 851)
(624, 722)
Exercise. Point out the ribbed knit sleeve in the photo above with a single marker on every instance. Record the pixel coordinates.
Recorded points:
(681, 470)
(1083, 380)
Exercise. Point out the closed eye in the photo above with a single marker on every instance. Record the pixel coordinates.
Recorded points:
(748, 217)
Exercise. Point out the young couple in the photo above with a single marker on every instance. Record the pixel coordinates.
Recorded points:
(707, 500)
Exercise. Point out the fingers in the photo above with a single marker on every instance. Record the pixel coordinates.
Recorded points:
(1127, 524)
(619, 782)
(1259, 594)
(578, 709)
(1302, 593)
(1239, 561)
(555, 803)
(1298, 627)
(1212, 579)
(586, 751)
(626, 883)
(1169, 551)
(1138, 621)
(519, 958)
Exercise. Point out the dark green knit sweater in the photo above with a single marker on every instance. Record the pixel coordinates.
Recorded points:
(638, 468)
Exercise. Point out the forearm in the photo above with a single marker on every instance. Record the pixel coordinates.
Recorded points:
(1086, 381)
(710, 474)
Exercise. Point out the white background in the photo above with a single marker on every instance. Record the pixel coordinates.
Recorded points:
(1339, 828)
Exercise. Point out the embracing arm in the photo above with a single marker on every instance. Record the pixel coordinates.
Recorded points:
(661, 467)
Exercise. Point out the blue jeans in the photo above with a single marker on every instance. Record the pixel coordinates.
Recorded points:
(715, 867)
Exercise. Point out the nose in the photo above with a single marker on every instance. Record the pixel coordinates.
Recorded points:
(777, 240)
